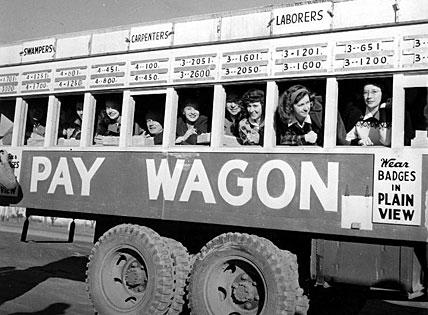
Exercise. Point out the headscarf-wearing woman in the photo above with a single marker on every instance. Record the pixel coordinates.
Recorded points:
(190, 124)
(299, 117)
(373, 127)
(251, 128)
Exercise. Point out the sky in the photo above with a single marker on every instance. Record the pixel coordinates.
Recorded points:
(32, 19)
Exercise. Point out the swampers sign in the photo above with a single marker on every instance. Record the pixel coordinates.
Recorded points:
(397, 192)
(196, 186)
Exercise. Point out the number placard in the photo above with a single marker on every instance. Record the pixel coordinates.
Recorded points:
(415, 51)
(9, 83)
(149, 71)
(195, 68)
(72, 78)
(36, 81)
(108, 75)
(297, 59)
(244, 64)
(364, 54)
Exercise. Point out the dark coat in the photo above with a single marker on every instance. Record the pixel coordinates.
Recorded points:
(201, 126)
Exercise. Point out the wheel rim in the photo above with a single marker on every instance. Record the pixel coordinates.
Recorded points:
(235, 286)
(124, 278)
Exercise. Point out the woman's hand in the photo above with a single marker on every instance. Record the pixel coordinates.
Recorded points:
(311, 137)
(365, 142)
(189, 132)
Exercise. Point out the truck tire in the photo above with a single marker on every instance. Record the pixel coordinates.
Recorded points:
(181, 261)
(130, 272)
(240, 274)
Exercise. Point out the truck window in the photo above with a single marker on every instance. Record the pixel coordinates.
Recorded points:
(70, 121)
(108, 119)
(36, 121)
(299, 117)
(194, 116)
(365, 112)
(416, 117)
(7, 113)
(148, 120)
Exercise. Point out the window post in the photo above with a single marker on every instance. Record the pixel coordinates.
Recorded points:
(330, 108)
(170, 123)
(219, 103)
(88, 119)
(398, 111)
(19, 122)
(52, 121)
(270, 108)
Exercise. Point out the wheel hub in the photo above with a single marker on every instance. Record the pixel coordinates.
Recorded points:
(244, 292)
(136, 277)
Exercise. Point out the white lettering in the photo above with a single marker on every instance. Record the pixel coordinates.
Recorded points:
(163, 178)
(61, 177)
(198, 181)
(289, 184)
(245, 183)
(40, 171)
(86, 175)
(327, 194)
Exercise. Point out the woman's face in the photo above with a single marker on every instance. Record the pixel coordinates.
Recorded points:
(111, 110)
(154, 126)
(372, 96)
(233, 108)
(255, 110)
(302, 108)
(191, 113)
(79, 110)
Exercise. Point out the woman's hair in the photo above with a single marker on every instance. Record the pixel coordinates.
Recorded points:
(290, 97)
(253, 96)
(235, 98)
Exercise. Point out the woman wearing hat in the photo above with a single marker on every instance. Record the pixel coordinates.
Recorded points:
(154, 125)
(191, 124)
(233, 115)
(373, 127)
(251, 128)
(109, 119)
(300, 117)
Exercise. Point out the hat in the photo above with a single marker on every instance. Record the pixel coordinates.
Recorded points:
(114, 104)
(154, 115)
(191, 102)
(376, 82)
(232, 97)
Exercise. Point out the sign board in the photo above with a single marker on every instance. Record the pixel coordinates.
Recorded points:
(38, 50)
(108, 75)
(36, 81)
(70, 78)
(397, 193)
(364, 54)
(311, 58)
(151, 36)
(414, 51)
(313, 17)
(245, 64)
(195, 68)
(149, 71)
(9, 83)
